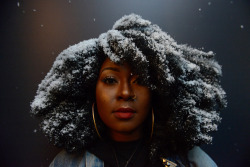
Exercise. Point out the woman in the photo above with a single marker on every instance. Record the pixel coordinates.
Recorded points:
(132, 97)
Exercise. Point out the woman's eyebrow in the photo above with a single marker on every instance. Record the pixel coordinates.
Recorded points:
(111, 68)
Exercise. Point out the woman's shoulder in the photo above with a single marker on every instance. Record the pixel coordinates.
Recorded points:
(75, 160)
(196, 156)
(199, 158)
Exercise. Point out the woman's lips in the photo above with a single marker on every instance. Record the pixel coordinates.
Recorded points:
(124, 113)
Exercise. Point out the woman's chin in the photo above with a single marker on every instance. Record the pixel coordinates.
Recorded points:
(125, 132)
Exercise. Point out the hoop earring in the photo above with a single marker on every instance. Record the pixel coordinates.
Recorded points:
(93, 114)
(153, 122)
(134, 97)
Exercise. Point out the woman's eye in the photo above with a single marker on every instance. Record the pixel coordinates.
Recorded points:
(109, 80)
(137, 81)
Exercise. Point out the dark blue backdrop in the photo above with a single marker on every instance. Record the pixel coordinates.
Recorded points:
(34, 32)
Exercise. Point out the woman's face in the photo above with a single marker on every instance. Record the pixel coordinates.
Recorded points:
(122, 103)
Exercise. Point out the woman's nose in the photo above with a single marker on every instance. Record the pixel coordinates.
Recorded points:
(126, 91)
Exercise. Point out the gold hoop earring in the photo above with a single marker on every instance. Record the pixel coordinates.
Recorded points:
(93, 114)
(153, 122)
(134, 97)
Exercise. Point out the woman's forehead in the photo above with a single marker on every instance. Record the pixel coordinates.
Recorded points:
(108, 64)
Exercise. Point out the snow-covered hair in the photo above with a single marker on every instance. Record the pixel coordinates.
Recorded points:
(187, 96)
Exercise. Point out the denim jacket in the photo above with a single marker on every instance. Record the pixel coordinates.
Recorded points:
(196, 156)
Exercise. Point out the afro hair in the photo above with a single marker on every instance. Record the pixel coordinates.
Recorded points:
(187, 96)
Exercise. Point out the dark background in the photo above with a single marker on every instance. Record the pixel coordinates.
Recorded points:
(34, 32)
